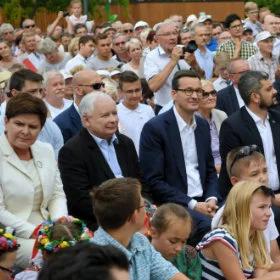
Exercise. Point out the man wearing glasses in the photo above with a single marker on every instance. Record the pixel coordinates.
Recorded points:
(127, 29)
(84, 82)
(163, 62)
(236, 47)
(29, 24)
(176, 157)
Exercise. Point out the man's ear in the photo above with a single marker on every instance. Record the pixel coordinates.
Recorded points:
(133, 217)
(173, 94)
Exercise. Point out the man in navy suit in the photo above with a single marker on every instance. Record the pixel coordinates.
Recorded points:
(176, 158)
(229, 99)
(69, 121)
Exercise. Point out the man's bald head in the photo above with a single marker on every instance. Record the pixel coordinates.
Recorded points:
(83, 76)
(270, 24)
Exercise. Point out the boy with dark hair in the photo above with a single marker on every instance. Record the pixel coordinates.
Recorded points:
(248, 163)
(120, 211)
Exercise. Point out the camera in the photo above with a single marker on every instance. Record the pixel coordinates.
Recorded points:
(191, 47)
(66, 14)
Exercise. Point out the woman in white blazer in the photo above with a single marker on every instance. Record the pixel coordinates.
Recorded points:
(213, 116)
(30, 184)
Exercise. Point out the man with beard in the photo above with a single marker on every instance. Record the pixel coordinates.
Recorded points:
(253, 124)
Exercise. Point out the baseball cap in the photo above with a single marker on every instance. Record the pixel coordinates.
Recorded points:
(141, 23)
(263, 36)
(191, 18)
(203, 18)
(4, 77)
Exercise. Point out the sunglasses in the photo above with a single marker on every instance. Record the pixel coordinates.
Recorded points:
(95, 85)
(128, 31)
(244, 152)
(29, 26)
(206, 94)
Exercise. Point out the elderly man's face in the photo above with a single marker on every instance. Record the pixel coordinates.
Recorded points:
(8, 35)
(56, 87)
(30, 43)
(103, 121)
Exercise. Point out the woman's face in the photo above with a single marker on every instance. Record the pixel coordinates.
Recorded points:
(6, 265)
(53, 57)
(209, 98)
(22, 130)
(135, 52)
(260, 209)
(4, 50)
(172, 241)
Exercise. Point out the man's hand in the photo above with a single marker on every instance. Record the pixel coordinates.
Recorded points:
(60, 15)
(212, 206)
(176, 53)
(203, 208)
(190, 58)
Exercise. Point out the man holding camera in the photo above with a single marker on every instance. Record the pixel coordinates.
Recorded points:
(164, 61)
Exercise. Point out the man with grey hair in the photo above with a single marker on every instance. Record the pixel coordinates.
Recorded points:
(84, 82)
(29, 24)
(164, 61)
(253, 124)
(54, 85)
(96, 154)
(121, 53)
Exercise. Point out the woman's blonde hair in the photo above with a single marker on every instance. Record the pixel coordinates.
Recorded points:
(132, 43)
(237, 220)
(74, 43)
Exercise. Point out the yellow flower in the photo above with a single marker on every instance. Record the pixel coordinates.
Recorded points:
(64, 244)
(1, 230)
(44, 241)
(8, 235)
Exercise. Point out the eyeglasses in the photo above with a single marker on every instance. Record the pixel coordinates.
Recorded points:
(167, 34)
(8, 32)
(128, 31)
(95, 85)
(236, 26)
(6, 269)
(190, 91)
(131, 91)
(244, 152)
(206, 94)
(29, 26)
(120, 43)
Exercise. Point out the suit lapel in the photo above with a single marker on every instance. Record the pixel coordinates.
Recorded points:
(176, 143)
(11, 156)
(234, 100)
(250, 123)
(275, 129)
(121, 157)
(97, 154)
(199, 146)
(75, 117)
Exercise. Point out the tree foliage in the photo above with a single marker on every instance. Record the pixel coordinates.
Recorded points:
(16, 10)
(273, 5)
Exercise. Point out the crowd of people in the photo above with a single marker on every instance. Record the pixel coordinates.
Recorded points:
(130, 151)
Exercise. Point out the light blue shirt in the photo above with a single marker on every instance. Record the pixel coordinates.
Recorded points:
(145, 262)
(51, 134)
(205, 62)
(108, 150)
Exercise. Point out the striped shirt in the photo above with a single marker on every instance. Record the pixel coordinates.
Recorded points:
(210, 268)
(247, 49)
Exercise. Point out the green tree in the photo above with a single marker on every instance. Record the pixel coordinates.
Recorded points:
(273, 5)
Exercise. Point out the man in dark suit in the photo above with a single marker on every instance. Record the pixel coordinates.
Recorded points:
(229, 99)
(69, 121)
(176, 158)
(254, 124)
(96, 154)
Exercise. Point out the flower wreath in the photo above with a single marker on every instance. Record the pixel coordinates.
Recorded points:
(8, 241)
(44, 235)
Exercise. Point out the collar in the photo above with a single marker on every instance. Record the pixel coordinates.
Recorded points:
(78, 55)
(255, 117)
(181, 123)
(137, 109)
(161, 51)
(99, 141)
(134, 245)
(260, 56)
(76, 106)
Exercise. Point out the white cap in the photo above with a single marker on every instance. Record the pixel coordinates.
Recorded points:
(203, 18)
(263, 36)
(191, 18)
(141, 23)
(66, 75)
(115, 72)
(4, 77)
(103, 73)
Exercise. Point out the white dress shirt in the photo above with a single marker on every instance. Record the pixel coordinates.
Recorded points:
(155, 62)
(131, 122)
(264, 129)
(239, 98)
(54, 111)
(221, 83)
(77, 60)
(190, 157)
